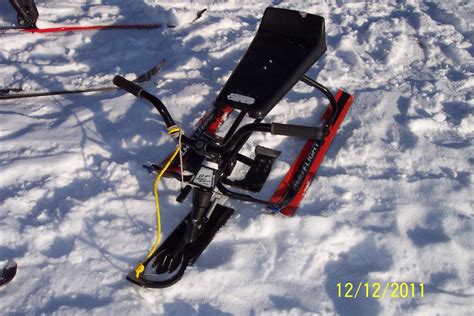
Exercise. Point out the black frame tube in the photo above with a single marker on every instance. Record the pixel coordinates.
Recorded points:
(139, 92)
(234, 126)
(159, 106)
(237, 137)
(313, 83)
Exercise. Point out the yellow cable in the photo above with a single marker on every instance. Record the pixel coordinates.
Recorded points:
(174, 129)
(140, 267)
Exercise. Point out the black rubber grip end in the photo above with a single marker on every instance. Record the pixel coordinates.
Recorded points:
(184, 193)
(296, 131)
(127, 85)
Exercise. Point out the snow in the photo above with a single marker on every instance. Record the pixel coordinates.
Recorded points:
(392, 201)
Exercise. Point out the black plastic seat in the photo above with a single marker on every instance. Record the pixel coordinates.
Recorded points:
(286, 45)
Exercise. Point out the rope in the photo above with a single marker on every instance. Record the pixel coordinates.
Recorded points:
(172, 131)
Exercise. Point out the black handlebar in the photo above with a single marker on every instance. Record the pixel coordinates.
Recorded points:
(138, 91)
(305, 132)
(296, 131)
(274, 128)
(127, 85)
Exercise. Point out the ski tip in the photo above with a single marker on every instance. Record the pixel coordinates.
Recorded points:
(8, 272)
(154, 284)
(147, 76)
(200, 13)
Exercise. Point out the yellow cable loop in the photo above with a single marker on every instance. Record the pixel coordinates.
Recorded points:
(141, 267)
(173, 130)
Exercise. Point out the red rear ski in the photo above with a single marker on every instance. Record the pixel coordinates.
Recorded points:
(291, 207)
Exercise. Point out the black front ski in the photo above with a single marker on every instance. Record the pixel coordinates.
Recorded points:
(167, 264)
(6, 94)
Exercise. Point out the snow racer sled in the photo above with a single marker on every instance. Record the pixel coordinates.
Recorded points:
(286, 45)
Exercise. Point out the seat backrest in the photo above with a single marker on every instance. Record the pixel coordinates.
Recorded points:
(286, 45)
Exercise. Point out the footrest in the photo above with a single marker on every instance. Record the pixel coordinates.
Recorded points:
(259, 169)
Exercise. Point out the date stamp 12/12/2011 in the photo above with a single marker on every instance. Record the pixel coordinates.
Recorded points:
(398, 290)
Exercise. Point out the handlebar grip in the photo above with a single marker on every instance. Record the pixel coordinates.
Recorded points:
(138, 91)
(296, 131)
(127, 85)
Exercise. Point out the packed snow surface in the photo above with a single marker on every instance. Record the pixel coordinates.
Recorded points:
(393, 200)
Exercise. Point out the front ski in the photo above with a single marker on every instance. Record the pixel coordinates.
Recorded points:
(167, 264)
(7, 271)
(7, 94)
(292, 188)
